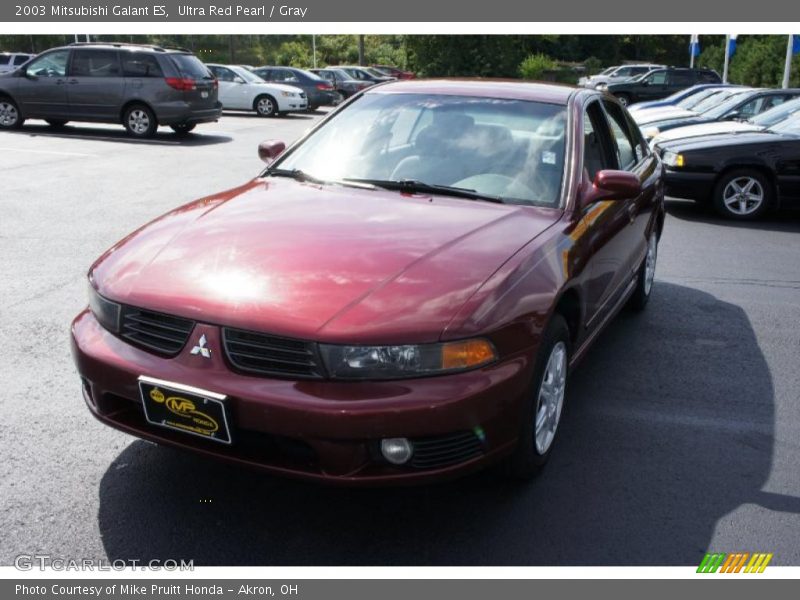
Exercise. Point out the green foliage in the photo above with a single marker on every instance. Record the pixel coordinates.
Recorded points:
(593, 65)
(536, 65)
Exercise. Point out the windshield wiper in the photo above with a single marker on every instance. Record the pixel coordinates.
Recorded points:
(297, 175)
(412, 186)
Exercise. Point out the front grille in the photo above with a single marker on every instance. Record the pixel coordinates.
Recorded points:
(263, 354)
(442, 451)
(154, 331)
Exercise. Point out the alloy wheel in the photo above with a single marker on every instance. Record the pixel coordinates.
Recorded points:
(743, 195)
(551, 398)
(265, 107)
(8, 114)
(138, 121)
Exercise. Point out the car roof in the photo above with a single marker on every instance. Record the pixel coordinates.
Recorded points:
(129, 46)
(487, 88)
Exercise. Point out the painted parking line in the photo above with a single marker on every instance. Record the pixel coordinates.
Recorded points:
(45, 152)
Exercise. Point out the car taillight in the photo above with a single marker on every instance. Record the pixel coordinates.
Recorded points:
(324, 87)
(184, 84)
(215, 83)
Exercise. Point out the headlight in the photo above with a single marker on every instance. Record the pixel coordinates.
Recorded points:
(673, 159)
(650, 133)
(288, 94)
(105, 311)
(397, 362)
(601, 86)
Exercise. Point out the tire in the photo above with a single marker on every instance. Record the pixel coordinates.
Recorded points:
(624, 99)
(183, 128)
(57, 123)
(743, 194)
(265, 106)
(10, 115)
(534, 447)
(139, 121)
(313, 108)
(644, 280)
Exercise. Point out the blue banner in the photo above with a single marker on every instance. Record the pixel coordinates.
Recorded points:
(796, 43)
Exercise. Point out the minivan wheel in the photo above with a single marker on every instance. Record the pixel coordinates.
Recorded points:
(10, 117)
(624, 99)
(742, 194)
(56, 123)
(265, 106)
(183, 128)
(646, 276)
(140, 121)
(544, 403)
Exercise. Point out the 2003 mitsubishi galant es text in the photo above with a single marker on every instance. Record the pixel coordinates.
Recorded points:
(398, 297)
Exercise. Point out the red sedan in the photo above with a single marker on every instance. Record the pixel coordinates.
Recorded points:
(398, 297)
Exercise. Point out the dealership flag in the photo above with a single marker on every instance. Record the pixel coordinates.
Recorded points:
(731, 44)
(694, 45)
(796, 44)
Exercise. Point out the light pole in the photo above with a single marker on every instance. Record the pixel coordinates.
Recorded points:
(787, 68)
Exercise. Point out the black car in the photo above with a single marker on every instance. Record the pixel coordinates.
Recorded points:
(366, 74)
(319, 91)
(742, 174)
(140, 87)
(659, 83)
(342, 82)
(738, 107)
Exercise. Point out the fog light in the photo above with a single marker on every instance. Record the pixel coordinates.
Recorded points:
(397, 451)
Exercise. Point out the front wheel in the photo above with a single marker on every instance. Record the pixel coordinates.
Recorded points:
(646, 276)
(545, 402)
(743, 194)
(10, 117)
(265, 106)
(140, 121)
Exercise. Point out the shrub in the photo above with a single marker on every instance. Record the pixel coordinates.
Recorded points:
(536, 65)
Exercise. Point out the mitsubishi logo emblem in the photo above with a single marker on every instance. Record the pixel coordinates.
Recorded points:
(201, 349)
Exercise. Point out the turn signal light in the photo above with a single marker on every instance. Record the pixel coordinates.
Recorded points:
(467, 354)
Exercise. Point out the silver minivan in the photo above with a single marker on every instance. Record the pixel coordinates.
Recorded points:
(140, 87)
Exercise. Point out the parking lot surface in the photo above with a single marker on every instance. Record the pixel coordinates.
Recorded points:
(682, 432)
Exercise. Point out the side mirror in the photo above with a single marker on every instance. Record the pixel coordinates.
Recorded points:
(269, 150)
(610, 185)
(238, 79)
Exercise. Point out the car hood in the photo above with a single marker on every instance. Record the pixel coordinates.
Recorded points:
(281, 87)
(713, 141)
(645, 117)
(703, 129)
(327, 263)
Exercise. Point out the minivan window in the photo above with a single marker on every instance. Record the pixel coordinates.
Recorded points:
(190, 66)
(4, 60)
(94, 63)
(52, 64)
(140, 64)
(21, 59)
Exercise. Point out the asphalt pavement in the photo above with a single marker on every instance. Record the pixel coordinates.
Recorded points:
(682, 432)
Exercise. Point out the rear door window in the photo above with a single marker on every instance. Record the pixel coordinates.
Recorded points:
(596, 142)
(94, 63)
(140, 64)
(680, 78)
(284, 76)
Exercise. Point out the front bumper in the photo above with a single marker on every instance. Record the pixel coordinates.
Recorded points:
(319, 430)
(286, 105)
(691, 185)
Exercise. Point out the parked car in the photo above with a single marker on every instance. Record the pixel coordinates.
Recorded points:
(701, 89)
(740, 106)
(366, 74)
(659, 83)
(394, 72)
(240, 89)
(9, 61)
(318, 91)
(140, 87)
(617, 74)
(398, 297)
(742, 174)
(766, 119)
(342, 82)
(689, 107)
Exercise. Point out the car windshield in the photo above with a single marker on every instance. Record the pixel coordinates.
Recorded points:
(777, 114)
(715, 100)
(721, 109)
(789, 126)
(695, 99)
(248, 76)
(504, 149)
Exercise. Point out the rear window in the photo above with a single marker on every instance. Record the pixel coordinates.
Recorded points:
(190, 66)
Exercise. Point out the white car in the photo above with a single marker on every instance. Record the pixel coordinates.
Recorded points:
(239, 89)
(9, 61)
